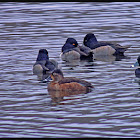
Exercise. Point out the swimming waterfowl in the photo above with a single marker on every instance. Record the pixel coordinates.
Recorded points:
(137, 71)
(72, 51)
(43, 64)
(103, 47)
(61, 83)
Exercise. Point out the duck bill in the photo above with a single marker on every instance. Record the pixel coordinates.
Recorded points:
(52, 77)
(136, 64)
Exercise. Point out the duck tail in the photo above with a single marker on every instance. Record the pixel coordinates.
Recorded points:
(126, 47)
(120, 51)
(89, 88)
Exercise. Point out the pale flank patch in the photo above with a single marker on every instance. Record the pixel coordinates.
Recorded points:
(37, 69)
(71, 55)
(104, 50)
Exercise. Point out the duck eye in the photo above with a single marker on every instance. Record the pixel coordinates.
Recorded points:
(73, 44)
(54, 74)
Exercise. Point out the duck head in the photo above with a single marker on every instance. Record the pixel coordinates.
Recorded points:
(70, 44)
(89, 38)
(57, 75)
(72, 41)
(42, 55)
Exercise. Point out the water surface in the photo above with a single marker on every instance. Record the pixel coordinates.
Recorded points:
(26, 107)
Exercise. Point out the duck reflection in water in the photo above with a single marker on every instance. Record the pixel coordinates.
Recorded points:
(110, 58)
(44, 66)
(58, 96)
(65, 86)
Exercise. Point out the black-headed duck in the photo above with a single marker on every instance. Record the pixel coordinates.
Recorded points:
(61, 83)
(43, 64)
(137, 71)
(72, 51)
(103, 47)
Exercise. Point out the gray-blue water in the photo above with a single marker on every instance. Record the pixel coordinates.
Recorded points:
(111, 110)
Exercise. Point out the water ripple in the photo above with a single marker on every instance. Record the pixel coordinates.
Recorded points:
(111, 109)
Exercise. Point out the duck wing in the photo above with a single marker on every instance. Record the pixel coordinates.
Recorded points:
(85, 49)
(77, 49)
(51, 64)
(114, 45)
(73, 79)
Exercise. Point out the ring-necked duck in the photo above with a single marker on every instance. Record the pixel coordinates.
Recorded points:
(43, 64)
(137, 71)
(61, 83)
(103, 47)
(72, 51)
